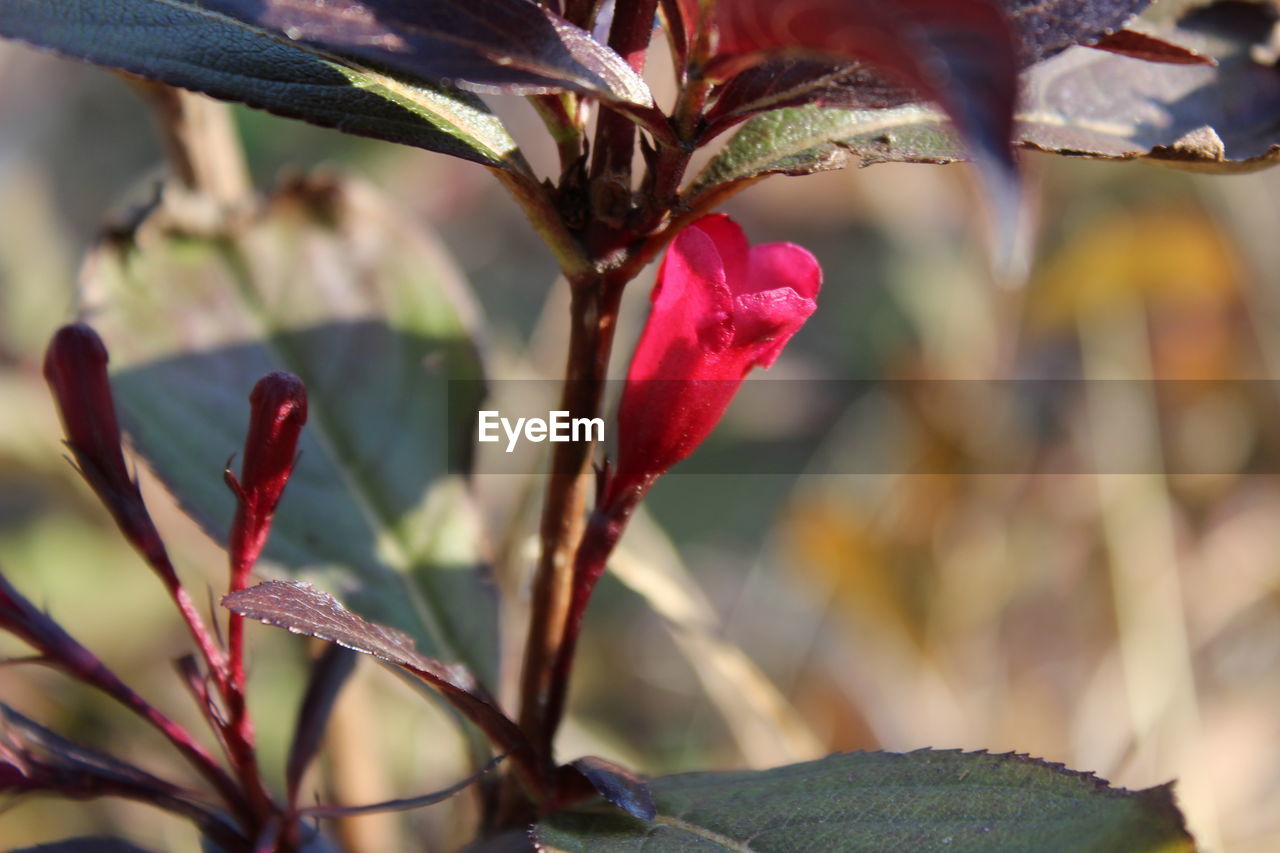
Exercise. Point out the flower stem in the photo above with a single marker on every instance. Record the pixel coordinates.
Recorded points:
(598, 541)
(182, 740)
(204, 640)
(594, 319)
(615, 140)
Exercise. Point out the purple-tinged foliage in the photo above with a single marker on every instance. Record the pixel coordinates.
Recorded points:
(1041, 29)
(1048, 27)
(618, 785)
(58, 649)
(498, 46)
(35, 759)
(329, 673)
(303, 609)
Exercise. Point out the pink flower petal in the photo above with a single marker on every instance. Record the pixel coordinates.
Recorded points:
(719, 309)
(691, 313)
(731, 243)
(774, 265)
(766, 321)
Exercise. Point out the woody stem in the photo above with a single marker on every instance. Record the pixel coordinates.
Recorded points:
(594, 318)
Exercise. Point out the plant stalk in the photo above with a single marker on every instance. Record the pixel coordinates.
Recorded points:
(594, 319)
(615, 140)
(598, 541)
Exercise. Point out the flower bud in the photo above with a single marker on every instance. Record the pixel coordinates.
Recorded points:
(75, 366)
(278, 410)
(720, 308)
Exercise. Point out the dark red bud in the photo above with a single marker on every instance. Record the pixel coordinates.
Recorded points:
(75, 366)
(278, 410)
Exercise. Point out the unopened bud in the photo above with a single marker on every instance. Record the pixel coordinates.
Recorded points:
(75, 366)
(278, 410)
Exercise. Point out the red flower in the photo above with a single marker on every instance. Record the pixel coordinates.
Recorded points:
(278, 410)
(720, 308)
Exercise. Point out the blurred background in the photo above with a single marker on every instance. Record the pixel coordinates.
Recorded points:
(1088, 572)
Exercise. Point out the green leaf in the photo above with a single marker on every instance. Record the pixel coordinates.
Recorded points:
(804, 140)
(183, 44)
(870, 802)
(333, 286)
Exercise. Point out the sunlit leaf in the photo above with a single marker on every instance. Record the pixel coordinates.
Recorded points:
(335, 287)
(872, 802)
(303, 609)
(1212, 119)
(184, 44)
(506, 46)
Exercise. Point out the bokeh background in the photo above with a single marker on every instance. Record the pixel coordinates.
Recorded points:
(1097, 584)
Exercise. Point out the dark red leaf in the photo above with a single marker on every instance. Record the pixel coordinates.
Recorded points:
(44, 750)
(960, 53)
(303, 609)
(1047, 27)
(48, 762)
(673, 21)
(1042, 28)
(619, 786)
(329, 673)
(18, 616)
(1151, 49)
(500, 46)
(793, 82)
